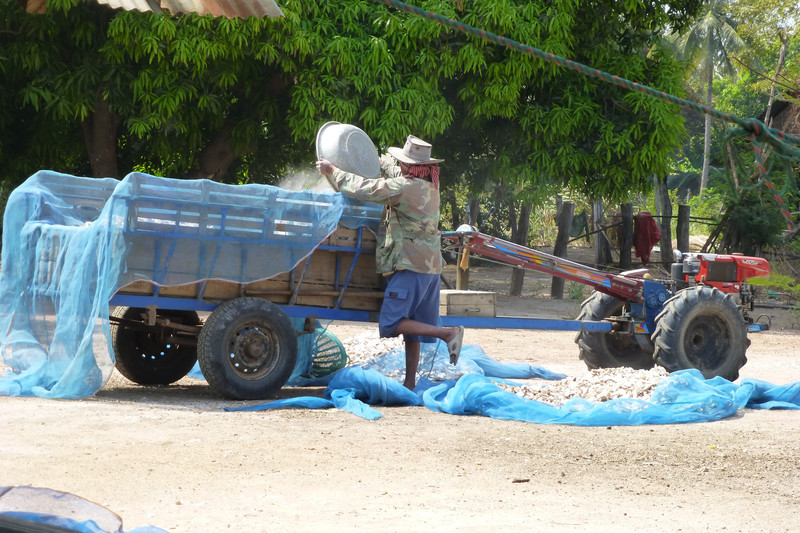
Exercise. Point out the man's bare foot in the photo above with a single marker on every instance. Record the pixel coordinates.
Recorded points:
(452, 334)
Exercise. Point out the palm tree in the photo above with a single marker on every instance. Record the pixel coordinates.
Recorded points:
(707, 45)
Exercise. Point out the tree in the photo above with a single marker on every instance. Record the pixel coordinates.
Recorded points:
(767, 25)
(707, 45)
(242, 100)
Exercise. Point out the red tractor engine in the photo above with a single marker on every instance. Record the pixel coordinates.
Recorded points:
(728, 273)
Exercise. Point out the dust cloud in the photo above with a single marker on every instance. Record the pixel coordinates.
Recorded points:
(305, 180)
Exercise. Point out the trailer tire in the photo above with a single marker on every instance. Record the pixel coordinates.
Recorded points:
(247, 349)
(142, 353)
(601, 349)
(702, 327)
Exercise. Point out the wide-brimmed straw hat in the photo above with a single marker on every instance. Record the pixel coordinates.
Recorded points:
(415, 152)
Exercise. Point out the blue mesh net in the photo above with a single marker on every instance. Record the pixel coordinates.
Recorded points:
(69, 243)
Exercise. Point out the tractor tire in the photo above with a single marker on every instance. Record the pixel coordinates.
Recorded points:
(143, 355)
(703, 328)
(601, 349)
(247, 349)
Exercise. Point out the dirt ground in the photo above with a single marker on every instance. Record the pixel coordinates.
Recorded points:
(171, 457)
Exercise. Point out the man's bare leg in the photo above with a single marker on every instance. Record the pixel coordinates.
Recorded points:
(412, 364)
(412, 327)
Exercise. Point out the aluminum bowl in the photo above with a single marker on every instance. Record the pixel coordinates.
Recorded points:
(348, 148)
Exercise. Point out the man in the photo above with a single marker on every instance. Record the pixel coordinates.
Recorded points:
(409, 249)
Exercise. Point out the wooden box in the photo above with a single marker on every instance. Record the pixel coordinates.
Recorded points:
(467, 303)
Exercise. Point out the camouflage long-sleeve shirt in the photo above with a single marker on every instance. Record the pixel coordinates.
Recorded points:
(408, 237)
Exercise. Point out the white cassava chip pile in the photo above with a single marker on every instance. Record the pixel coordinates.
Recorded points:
(364, 346)
(598, 385)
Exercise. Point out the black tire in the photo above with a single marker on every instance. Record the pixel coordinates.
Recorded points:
(247, 349)
(602, 349)
(703, 328)
(144, 354)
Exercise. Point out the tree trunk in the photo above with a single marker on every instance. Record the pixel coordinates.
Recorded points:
(455, 215)
(732, 163)
(474, 211)
(707, 135)
(781, 59)
(602, 248)
(100, 137)
(520, 236)
(217, 157)
(564, 221)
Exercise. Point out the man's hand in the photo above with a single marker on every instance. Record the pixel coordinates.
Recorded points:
(325, 167)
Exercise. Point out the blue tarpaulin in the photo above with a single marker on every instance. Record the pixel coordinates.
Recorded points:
(685, 396)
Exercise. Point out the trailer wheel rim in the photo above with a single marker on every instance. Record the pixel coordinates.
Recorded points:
(705, 342)
(151, 347)
(150, 355)
(252, 350)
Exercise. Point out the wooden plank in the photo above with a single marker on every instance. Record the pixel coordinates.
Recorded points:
(172, 291)
(322, 270)
(275, 291)
(348, 238)
(321, 277)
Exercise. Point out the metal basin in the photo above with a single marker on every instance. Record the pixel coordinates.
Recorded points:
(348, 148)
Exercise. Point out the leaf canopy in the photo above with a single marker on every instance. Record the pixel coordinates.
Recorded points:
(181, 85)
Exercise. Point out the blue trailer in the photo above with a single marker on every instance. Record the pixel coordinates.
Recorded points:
(263, 265)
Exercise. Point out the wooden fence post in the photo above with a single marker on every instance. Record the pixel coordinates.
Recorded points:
(626, 237)
(560, 249)
(682, 228)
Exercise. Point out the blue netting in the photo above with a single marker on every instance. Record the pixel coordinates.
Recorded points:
(70, 243)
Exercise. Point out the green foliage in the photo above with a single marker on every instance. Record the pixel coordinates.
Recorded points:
(710, 206)
(780, 285)
(761, 24)
(755, 221)
(578, 291)
(187, 88)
